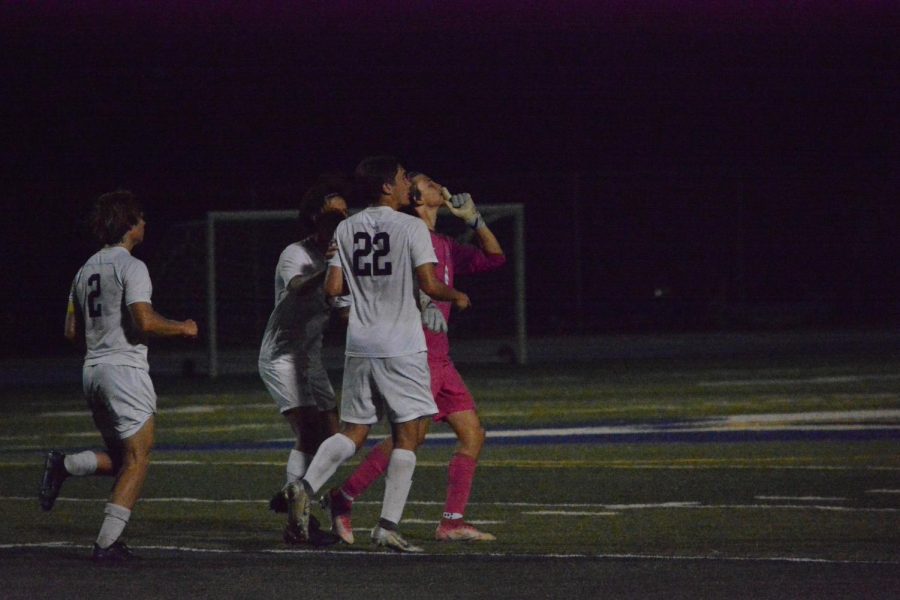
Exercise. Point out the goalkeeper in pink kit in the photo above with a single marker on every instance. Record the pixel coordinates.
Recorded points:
(455, 404)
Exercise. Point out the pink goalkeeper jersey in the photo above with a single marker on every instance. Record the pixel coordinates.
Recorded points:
(454, 258)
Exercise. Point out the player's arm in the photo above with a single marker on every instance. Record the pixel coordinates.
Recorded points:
(462, 206)
(305, 284)
(74, 329)
(431, 285)
(150, 322)
(488, 241)
(335, 285)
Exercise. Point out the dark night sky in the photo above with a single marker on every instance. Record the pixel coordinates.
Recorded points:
(195, 105)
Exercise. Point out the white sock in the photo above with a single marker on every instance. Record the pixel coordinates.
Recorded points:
(81, 464)
(333, 452)
(296, 465)
(113, 524)
(397, 483)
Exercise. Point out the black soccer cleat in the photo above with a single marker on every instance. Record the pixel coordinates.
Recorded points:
(319, 537)
(51, 482)
(118, 552)
(279, 503)
(294, 535)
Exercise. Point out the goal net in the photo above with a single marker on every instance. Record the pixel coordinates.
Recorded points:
(229, 261)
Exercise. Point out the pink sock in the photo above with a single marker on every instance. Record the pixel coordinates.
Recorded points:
(367, 473)
(459, 486)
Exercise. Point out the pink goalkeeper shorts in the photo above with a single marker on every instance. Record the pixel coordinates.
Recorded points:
(450, 393)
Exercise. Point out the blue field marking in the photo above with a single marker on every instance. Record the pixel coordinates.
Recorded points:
(665, 435)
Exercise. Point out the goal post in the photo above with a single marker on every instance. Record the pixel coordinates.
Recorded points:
(499, 300)
(212, 219)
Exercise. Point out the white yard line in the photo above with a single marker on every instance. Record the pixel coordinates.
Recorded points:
(800, 381)
(801, 498)
(535, 505)
(189, 409)
(567, 513)
(436, 521)
(597, 556)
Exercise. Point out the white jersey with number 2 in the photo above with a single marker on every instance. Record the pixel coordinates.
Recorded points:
(104, 287)
(378, 251)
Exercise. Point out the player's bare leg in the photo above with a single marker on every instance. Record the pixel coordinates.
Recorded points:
(329, 424)
(132, 473)
(470, 435)
(135, 463)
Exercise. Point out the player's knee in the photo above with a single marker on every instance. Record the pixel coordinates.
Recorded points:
(472, 441)
(137, 458)
(117, 458)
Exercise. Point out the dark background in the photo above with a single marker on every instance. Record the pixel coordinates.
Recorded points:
(684, 166)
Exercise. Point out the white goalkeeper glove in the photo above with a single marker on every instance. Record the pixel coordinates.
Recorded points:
(462, 206)
(432, 317)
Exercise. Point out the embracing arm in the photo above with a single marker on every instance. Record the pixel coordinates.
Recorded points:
(334, 283)
(304, 284)
(432, 286)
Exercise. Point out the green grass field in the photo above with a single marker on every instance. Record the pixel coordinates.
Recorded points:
(787, 461)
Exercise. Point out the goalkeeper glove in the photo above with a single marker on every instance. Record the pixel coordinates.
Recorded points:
(462, 206)
(432, 317)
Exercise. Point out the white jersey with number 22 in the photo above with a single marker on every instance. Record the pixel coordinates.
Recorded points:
(378, 251)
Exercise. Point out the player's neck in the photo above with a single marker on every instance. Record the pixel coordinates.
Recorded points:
(388, 201)
(126, 243)
(429, 215)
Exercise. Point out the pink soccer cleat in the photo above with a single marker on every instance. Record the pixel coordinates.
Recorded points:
(457, 530)
(339, 510)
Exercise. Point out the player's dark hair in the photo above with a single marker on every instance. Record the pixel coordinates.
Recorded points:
(327, 222)
(114, 213)
(415, 195)
(326, 187)
(371, 174)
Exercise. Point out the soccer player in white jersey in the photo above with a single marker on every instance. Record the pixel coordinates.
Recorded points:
(455, 403)
(382, 255)
(111, 314)
(290, 358)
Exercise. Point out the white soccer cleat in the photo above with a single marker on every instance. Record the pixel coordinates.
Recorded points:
(461, 532)
(393, 540)
(298, 509)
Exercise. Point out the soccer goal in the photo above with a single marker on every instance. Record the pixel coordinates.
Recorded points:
(242, 248)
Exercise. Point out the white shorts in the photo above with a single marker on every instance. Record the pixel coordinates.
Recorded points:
(401, 385)
(293, 387)
(121, 399)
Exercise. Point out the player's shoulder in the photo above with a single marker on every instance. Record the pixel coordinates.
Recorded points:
(130, 261)
(117, 256)
(407, 220)
(439, 237)
(299, 248)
